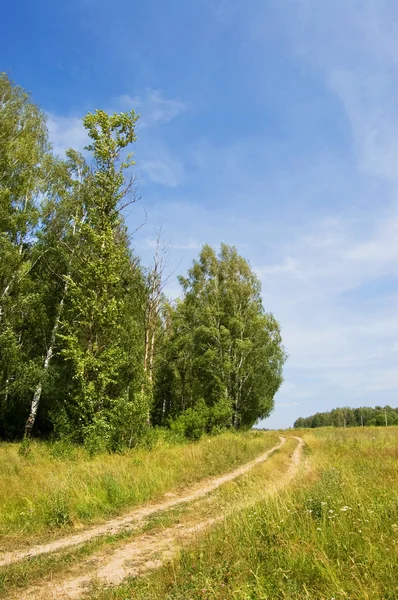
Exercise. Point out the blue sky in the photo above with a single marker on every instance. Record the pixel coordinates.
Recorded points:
(270, 125)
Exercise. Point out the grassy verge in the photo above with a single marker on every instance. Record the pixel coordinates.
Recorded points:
(46, 493)
(245, 489)
(334, 535)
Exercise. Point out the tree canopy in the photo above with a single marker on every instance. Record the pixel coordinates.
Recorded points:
(90, 347)
(350, 417)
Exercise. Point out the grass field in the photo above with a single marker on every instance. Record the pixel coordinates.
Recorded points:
(333, 534)
(15, 578)
(329, 533)
(55, 489)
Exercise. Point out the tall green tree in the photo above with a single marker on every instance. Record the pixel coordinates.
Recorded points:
(24, 149)
(224, 349)
(98, 328)
(63, 212)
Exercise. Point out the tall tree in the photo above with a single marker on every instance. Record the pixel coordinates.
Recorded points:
(224, 348)
(97, 327)
(63, 213)
(23, 151)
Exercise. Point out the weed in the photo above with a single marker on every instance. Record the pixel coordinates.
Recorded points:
(333, 534)
(58, 485)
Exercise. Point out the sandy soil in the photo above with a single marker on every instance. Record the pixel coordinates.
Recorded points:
(137, 516)
(146, 551)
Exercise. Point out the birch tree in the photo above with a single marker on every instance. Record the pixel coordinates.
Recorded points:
(224, 348)
(23, 150)
(96, 322)
(64, 212)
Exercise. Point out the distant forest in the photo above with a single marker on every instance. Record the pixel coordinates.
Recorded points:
(91, 349)
(351, 417)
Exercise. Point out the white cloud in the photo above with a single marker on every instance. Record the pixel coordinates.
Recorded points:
(381, 250)
(66, 132)
(354, 46)
(154, 109)
(161, 167)
(325, 334)
(367, 102)
(189, 245)
(287, 268)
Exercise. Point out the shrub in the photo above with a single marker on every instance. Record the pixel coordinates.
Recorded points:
(193, 421)
(220, 416)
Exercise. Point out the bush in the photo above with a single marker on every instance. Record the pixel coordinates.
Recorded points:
(193, 421)
(220, 416)
(98, 437)
(62, 449)
(129, 420)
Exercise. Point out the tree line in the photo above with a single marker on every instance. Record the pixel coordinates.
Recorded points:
(91, 349)
(351, 417)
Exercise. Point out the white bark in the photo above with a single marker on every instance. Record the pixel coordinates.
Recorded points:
(50, 351)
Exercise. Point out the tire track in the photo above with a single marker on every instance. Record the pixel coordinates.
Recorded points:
(137, 516)
(147, 551)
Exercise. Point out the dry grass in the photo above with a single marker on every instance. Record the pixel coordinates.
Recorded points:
(245, 490)
(331, 535)
(49, 492)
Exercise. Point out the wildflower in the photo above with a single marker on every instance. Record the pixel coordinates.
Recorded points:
(318, 529)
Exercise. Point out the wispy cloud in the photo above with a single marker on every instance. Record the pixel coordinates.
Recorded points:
(153, 107)
(156, 162)
(66, 132)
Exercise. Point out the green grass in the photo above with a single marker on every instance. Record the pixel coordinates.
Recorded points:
(331, 535)
(245, 489)
(49, 492)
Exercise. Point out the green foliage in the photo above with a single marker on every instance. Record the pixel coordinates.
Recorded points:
(25, 446)
(351, 417)
(193, 421)
(220, 416)
(90, 350)
(221, 344)
(23, 151)
(129, 419)
(97, 436)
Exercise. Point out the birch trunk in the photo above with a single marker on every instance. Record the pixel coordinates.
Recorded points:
(50, 351)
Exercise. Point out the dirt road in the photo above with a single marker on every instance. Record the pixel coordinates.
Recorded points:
(146, 551)
(116, 525)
